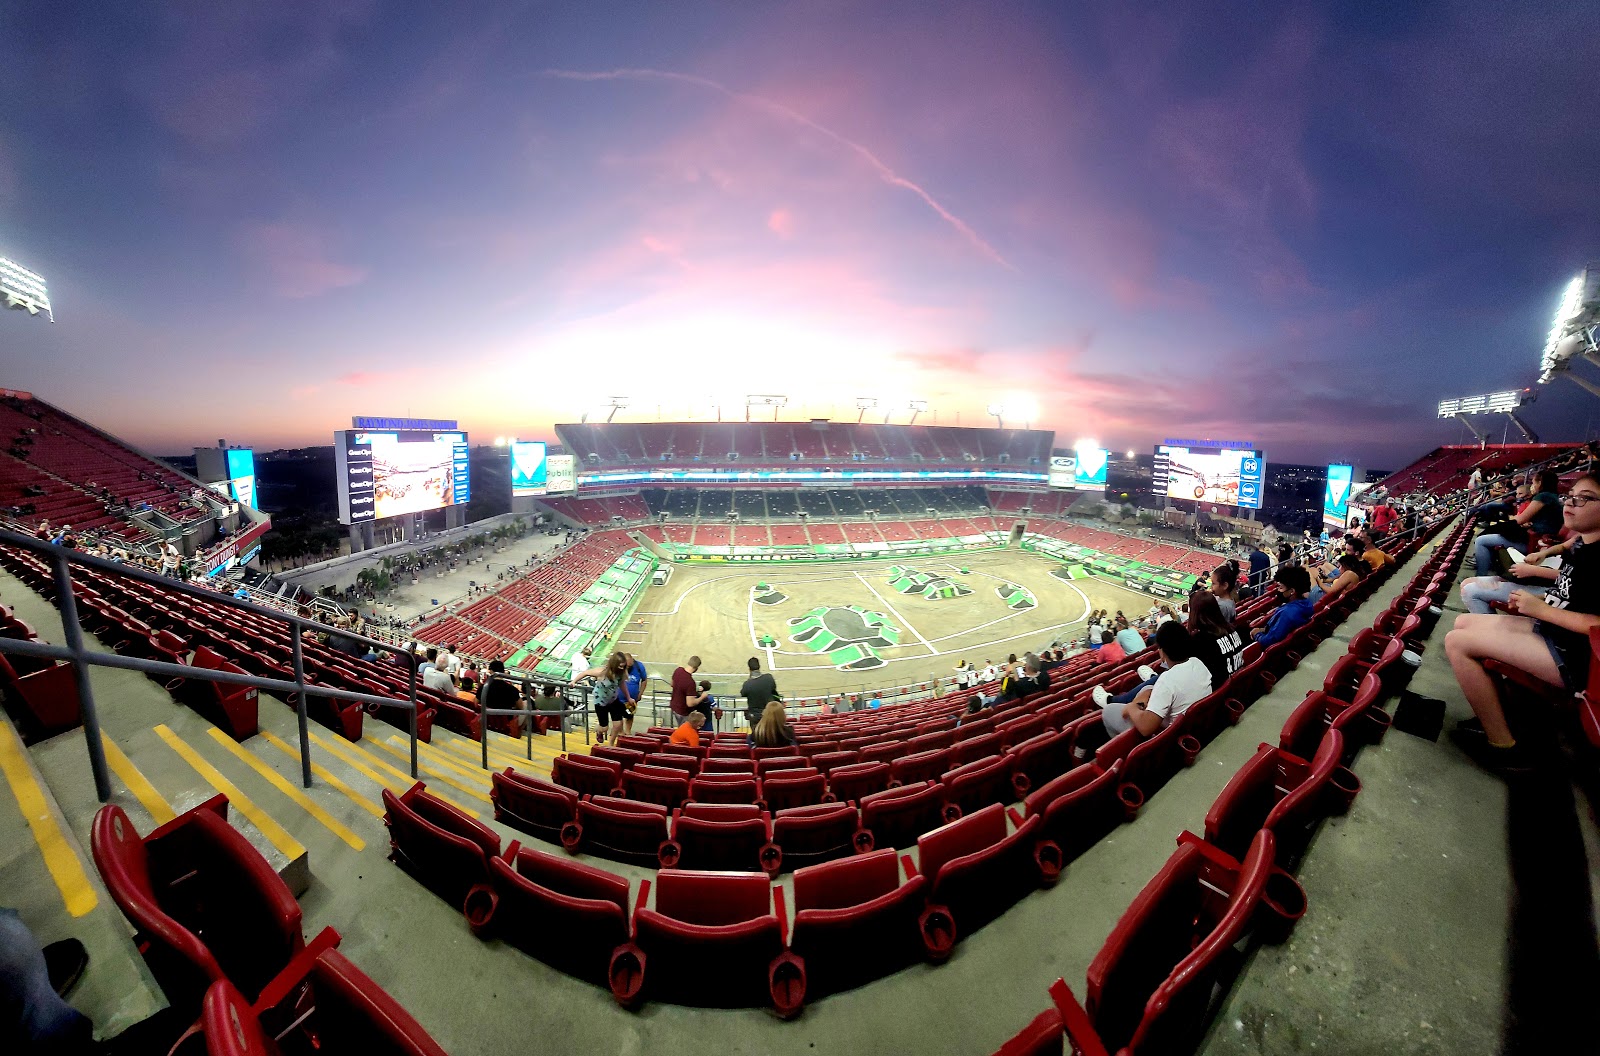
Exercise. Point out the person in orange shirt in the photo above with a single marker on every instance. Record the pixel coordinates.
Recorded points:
(689, 732)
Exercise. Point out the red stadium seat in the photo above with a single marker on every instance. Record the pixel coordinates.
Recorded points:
(976, 872)
(587, 777)
(808, 835)
(1284, 793)
(885, 753)
(1151, 985)
(979, 747)
(231, 708)
(724, 788)
(642, 743)
(688, 764)
(725, 837)
(347, 1012)
(923, 766)
(438, 844)
(44, 701)
(628, 758)
(1015, 731)
(532, 806)
(1082, 806)
(970, 788)
(712, 938)
(772, 763)
(1046, 1034)
(718, 765)
(827, 762)
(896, 817)
(794, 788)
(854, 921)
(1041, 759)
(654, 784)
(626, 830)
(1360, 720)
(570, 915)
(853, 781)
(204, 905)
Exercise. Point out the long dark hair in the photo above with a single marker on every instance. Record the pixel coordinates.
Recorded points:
(1205, 615)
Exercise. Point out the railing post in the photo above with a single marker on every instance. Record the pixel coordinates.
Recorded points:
(73, 632)
(300, 705)
(411, 662)
(483, 721)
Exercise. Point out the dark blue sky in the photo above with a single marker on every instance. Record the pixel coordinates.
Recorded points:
(1298, 224)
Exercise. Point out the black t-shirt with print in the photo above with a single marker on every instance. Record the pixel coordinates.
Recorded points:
(1577, 589)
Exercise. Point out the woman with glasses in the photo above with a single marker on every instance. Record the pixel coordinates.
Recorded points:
(1546, 637)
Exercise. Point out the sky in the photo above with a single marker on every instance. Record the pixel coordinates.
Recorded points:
(1297, 224)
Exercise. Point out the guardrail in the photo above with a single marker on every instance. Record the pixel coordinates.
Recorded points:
(75, 652)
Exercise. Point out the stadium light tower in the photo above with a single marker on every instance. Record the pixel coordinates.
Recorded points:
(1573, 333)
(916, 407)
(775, 402)
(997, 411)
(1505, 403)
(616, 403)
(864, 404)
(21, 288)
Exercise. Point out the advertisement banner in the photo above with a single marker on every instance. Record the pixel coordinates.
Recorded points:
(1336, 495)
(528, 468)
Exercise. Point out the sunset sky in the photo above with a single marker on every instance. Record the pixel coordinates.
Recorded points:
(1298, 224)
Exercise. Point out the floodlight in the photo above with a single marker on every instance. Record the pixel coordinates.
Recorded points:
(1505, 402)
(998, 411)
(864, 404)
(23, 289)
(1132, 455)
(773, 401)
(916, 407)
(1572, 333)
(617, 403)
(1024, 407)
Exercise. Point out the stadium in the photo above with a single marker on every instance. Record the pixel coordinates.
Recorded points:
(803, 724)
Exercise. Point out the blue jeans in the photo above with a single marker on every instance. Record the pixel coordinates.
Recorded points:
(1127, 698)
(1483, 551)
(34, 1019)
(1478, 593)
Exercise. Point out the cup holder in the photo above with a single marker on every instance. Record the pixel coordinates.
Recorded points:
(626, 975)
(479, 908)
(1191, 747)
(1343, 788)
(786, 979)
(1283, 903)
(938, 933)
(1132, 799)
(1047, 856)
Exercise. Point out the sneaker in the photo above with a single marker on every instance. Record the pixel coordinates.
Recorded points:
(1146, 672)
(65, 962)
(1101, 697)
(1516, 759)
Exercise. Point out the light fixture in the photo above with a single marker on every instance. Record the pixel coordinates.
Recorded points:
(916, 407)
(864, 404)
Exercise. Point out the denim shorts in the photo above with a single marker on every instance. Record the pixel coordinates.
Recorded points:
(1562, 669)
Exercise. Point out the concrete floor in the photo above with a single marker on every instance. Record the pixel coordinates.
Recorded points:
(1402, 949)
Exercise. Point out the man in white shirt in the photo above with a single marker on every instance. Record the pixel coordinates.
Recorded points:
(452, 662)
(435, 675)
(964, 675)
(990, 672)
(1185, 681)
(582, 662)
(170, 560)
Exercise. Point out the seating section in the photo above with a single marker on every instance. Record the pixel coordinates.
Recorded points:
(221, 934)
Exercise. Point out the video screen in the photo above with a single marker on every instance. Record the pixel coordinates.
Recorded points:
(561, 474)
(1336, 495)
(1090, 472)
(242, 476)
(1063, 471)
(1217, 476)
(528, 468)
(391, 474)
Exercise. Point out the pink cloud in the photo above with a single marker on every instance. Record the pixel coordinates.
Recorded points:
(294, 260)
(781, 223)
(359, 377)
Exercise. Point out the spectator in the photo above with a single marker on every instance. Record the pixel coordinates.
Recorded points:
(1094, 630)
(974, 706)
(582, 662)
(989, 673)
(688, 732)
(1185, 681)
(1531, 575)
(1546, 637)
(966, 677)
(773, 729)
(1260, 564)
(1110, 651)
(499, 691)
(33, 1016)
(1032, 678)
(1293, 584)
(1350, 571)
(1132, 641)
(633, 690)
(437, 676)
(758, 691)
(1225, 585)
(452, 662)
(1376, 557)
(170, 560)
(608, 709)
(1541, 517)
(1213, 639)
(686, 697)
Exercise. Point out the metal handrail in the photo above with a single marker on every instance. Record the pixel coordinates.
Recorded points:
(484, 712)
(82, 659)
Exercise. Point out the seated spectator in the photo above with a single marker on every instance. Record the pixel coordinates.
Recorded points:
(773, 729)
(1131, 640)
(1110, 650)
(1541, 516)
(1031, 678)
(1546, 637)
(688, 732)
(1292, 585)
(974, 706)
(1225, 586)
(1350, 571)
(1185, 681)
(1480, 593)
(436, 676)
(1212, 639)
(1376, 557)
